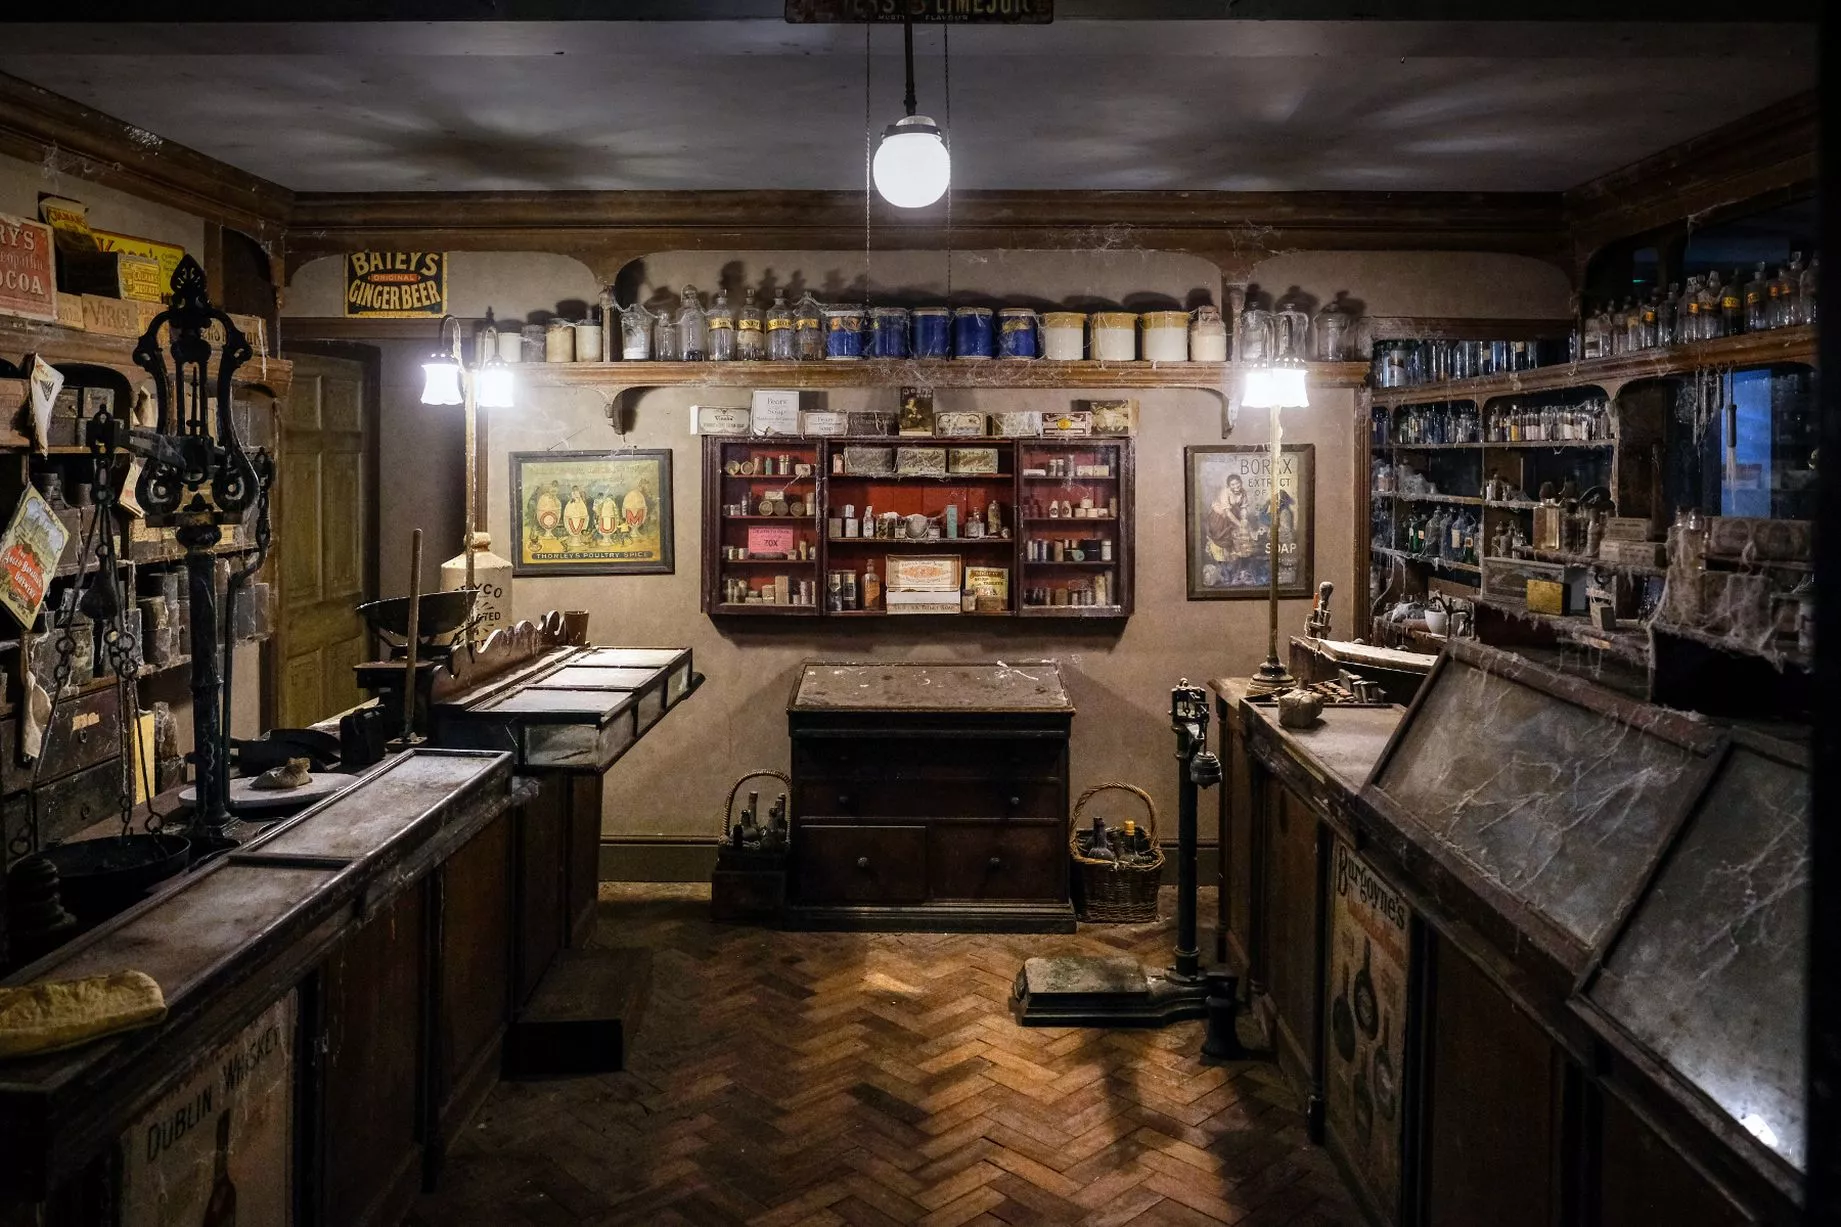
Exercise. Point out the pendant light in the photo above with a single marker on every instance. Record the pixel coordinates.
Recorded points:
(912, 167)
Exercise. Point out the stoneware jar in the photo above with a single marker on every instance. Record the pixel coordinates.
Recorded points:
(1064, 335)
(1166, 336)
(1115, 336)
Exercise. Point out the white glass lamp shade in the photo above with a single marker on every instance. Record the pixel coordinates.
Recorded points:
(1275, 387)
(441, 381)
(494, 389)
(912, 167)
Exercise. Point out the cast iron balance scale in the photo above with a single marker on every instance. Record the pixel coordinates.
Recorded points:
(1099, 991)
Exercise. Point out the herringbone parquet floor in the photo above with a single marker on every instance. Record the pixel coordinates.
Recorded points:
(823, 1079)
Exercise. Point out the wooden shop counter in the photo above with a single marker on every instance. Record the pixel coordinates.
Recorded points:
(337, 990)
(1532, 949)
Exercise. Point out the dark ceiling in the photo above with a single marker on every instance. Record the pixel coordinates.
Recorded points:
(737, 98)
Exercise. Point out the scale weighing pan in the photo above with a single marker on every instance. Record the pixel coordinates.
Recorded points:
(247, 799)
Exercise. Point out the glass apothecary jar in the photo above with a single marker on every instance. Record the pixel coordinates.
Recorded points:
(721, 318)
(809, 329)
(782, 341)
(693, 327)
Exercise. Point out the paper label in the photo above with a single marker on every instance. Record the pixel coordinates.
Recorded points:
(29, 553)
(47, 381)
(28, 275)
(719, 420)
(775, 412)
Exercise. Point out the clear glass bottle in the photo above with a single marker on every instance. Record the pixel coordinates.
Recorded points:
(665, 344)
(1785, 291)
(1710, 308)
(721, 322)
(1758, 300)
(1732, 307)
(635, 333)
(1293, 325)
(1665, 315)
(693, 327)
(750, 330)
(809, 329)
(782, 344)
(1687, 315)
(1805, 303)
(1647, 321)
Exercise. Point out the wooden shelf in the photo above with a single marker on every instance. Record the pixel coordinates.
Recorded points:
(769, 562)
(1217, 377)
(1629, 645)
(884, 613)
(1795, 345)
(947, 479)
(1071, 611)
(1092, 563)
(1582, 560)
(771, 519)
(1107, 520)
(1555, 445)
(62, 346)
(1430, 560)
(903, 543)
(1459, 500)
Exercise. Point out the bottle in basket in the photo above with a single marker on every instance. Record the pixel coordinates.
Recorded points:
(1101, 849)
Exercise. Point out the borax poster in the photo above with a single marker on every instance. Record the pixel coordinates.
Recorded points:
(217, 1147)
(396, 284)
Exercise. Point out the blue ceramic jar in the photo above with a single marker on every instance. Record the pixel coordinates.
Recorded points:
(843, 334)
(1016, 333)
(931, 330)
(973, 333)
(889, 333)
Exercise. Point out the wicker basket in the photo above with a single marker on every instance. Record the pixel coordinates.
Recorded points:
(1107, 892)
(728, 856)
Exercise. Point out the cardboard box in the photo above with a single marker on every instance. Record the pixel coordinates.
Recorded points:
(1547, 597)
(923, 573)
(920, 461)
(899, 601)
(113, 317)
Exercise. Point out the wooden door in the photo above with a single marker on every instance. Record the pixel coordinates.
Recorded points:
(322, 509)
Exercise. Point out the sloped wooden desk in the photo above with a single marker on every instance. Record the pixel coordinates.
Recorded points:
(930, 796)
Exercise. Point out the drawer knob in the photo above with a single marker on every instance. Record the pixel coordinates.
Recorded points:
(997, 862)
(1015, 801)
(843, 799)
(862, 862)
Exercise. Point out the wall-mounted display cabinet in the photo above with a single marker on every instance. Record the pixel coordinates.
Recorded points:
(890, 526)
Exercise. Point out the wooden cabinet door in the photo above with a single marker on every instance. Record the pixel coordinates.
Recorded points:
(321, 507)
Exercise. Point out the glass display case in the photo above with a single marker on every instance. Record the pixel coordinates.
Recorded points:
(1074, 554)
(1551, 797)
(1709, 973)
(892, 525)
(765, 548)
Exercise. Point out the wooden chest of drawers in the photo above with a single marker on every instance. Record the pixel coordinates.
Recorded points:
(930, 796)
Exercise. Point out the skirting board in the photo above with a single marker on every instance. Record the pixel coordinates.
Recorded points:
(693, 860)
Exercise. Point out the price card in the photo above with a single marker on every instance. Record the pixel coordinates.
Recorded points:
(775, 412)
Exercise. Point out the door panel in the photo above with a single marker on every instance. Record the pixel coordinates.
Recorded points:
(320, 533)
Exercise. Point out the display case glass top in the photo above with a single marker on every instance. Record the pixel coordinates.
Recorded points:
(1709, 973)
(1033, 686)
(1555, 795)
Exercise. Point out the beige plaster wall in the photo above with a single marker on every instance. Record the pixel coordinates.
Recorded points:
(673, 782)
(21, 184)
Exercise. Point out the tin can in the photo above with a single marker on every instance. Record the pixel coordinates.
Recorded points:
(888, 333)
(973, 333)
(1166, 336)
(1115, 336)
(931, 330)
(843, 334)
(1064, 335)
(1016, 333)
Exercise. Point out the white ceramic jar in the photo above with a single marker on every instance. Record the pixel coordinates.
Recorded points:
(1064, 335)
(1207, 336)
(1115, 336)
(1166, 336)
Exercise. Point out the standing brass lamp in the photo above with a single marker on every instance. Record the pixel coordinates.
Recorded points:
(1274, 386)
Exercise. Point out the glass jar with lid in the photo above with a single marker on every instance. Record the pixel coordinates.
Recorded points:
(665, 346)
(750, 330)
(782, 344)
(721, 318)
(693, 327)
(1292, 328)
(1333, 323)
(1256, 340)
(635, 333)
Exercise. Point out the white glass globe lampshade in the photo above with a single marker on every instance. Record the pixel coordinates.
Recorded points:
(912, 167)
(1275, 387)
(494, 389)
(441, 381)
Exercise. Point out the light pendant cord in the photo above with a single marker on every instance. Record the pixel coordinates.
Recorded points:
(946, 139)
(869, 156)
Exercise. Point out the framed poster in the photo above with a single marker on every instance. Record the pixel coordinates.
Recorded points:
(591, 513)
(28, 274)
(1228, 516)
(1365, 1043)
(218, 1146)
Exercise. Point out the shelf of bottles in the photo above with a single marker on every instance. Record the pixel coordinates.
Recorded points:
(873, 521)
(1710, 308)
(1073, 552)
(766, 553)
(827, 528)
(1456, 484)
